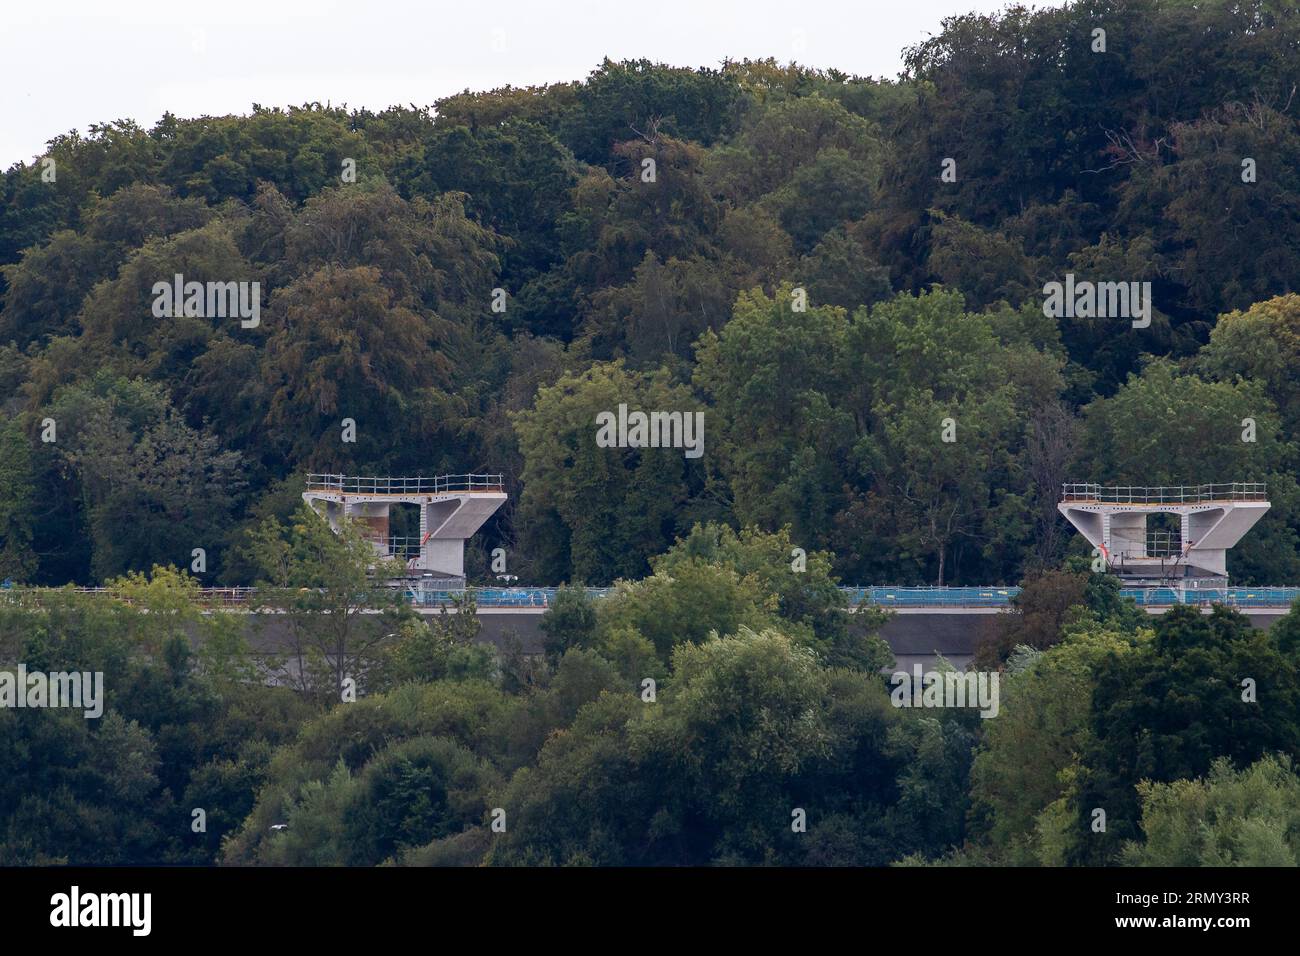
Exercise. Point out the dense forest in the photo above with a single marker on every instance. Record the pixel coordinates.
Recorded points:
(924, 302)
(846, 276)
(720, 711)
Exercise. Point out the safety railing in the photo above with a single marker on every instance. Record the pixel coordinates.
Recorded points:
(204, 597)
(1233, 597)
(485, 597)
(439, 584)
(931, 596)
(492, 597)
(440, 484)
(403, 546)
(1164, 495)
(446, 591)
(1162, 543)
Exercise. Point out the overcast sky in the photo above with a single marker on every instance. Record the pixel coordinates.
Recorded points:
(65, 64)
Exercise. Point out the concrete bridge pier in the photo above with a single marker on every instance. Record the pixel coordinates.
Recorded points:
(452, 508)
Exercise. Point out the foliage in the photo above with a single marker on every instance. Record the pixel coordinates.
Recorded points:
(884, 400)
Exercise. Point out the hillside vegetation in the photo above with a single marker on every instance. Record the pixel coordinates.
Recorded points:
(924, 303)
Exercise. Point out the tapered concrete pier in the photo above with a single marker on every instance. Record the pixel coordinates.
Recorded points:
(1211, 520)
(452, 508)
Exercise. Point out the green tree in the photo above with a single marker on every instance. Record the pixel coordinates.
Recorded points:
(1232, 817)
(325, 581)
(1025, 760)
(799, 588)
(699, 105)
(1207, 686)
(1260, 345)
(153, 489)
(17, 504)
(346, 349)
(569, 622)
(600, 512)
(780, 437)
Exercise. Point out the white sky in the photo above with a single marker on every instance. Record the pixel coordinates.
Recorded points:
(65, 64)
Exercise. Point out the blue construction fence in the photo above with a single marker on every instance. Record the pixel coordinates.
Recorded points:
(910, 597)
